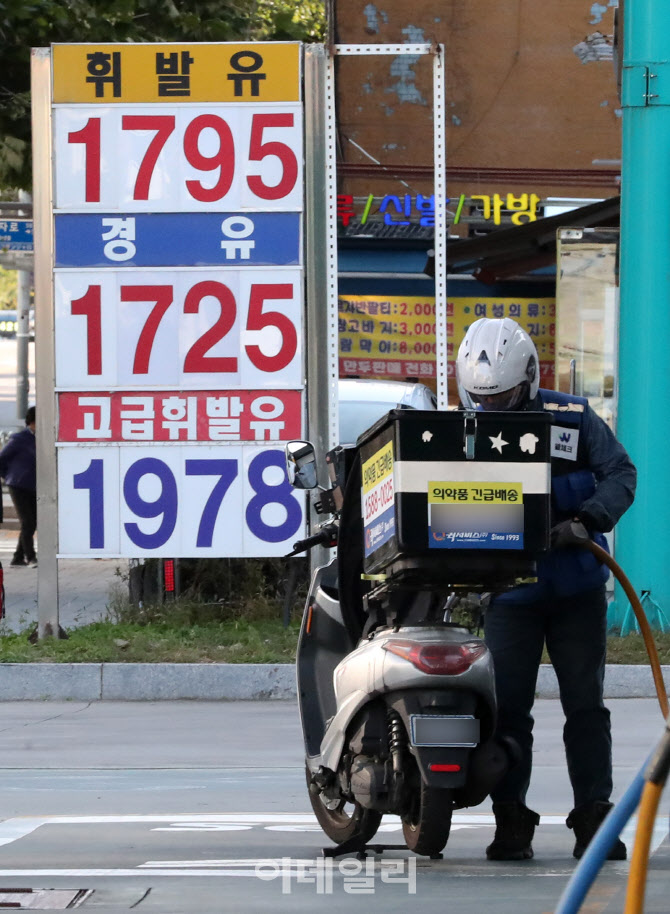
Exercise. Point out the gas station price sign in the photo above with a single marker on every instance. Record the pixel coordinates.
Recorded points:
(178, 297)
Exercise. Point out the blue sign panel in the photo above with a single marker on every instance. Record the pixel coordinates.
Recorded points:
(16, 234)
(177, 239)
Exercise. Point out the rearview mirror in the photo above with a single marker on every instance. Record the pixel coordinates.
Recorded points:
(301, 464)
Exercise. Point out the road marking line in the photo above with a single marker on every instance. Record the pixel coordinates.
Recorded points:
(521, 872)
(13, 829)
(20, 827)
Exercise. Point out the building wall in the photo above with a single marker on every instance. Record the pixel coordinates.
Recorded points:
(531, 97)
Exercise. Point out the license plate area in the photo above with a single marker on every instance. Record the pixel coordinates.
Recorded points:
(456, 730)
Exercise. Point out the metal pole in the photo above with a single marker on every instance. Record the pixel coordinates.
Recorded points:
(440, 188)
(22, 334)
(644, 334)
(177, 578)
(320, 266)
(321, 238)
(45, 366)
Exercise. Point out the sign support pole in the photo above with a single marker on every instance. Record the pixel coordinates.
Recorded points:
(440, 186)
(644, 334)
(45, 366)
(22, 334)
(320, 269)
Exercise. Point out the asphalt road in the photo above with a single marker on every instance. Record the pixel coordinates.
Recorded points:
(181, 807)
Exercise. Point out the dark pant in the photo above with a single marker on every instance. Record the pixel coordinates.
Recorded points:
(574, 629)
(25, 502)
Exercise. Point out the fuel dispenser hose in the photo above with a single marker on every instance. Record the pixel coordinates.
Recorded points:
(645, 789)
(654, 662)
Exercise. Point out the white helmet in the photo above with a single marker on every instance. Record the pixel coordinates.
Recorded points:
(497, 356)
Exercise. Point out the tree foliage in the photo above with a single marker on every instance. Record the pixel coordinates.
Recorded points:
(7, 289)
(39, 23)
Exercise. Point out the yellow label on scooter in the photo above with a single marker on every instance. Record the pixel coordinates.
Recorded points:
(471, 493)
(378, 467)
(378, 501)
(475, 515)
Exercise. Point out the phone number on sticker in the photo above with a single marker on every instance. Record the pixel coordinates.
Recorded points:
(378, 500)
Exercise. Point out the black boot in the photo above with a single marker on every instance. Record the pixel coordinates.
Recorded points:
(515, 827)
(585, 821)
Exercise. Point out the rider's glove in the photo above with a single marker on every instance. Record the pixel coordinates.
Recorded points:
(568, 533)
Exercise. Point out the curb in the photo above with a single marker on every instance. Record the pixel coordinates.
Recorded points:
(146, 681)
(227, 681)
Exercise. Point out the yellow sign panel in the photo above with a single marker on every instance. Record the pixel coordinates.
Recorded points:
(378, 468)
(169, 73)
(475, 493)
(393, 336)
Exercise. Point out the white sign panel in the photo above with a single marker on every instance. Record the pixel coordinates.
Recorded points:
(186, 328)
(206, 501)
(190, 159)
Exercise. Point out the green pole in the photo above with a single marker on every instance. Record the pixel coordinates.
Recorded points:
(643, 536)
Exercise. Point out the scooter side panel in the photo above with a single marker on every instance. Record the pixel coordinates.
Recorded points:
(333, 742)
(323, 642)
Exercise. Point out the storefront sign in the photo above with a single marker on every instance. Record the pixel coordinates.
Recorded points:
(419, 209)
(394, 336)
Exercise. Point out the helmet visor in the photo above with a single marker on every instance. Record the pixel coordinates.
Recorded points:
(507, 400)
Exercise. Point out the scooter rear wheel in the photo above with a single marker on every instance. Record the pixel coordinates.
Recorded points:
(343, 821)
(426, 827)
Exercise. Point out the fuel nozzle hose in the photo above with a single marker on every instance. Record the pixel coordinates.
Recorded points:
(645, 788)
(649, 643)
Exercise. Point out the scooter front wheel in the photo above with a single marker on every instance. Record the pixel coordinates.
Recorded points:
(427, 825)
(343, 821)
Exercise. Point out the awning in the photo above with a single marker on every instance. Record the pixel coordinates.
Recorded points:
(514, 252)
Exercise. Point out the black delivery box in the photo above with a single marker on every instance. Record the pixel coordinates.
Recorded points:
(458, 497)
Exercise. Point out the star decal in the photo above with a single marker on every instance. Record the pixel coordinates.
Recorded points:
(498, 443)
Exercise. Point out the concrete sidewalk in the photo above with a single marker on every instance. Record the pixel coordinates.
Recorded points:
(226, 682)
(85, 585)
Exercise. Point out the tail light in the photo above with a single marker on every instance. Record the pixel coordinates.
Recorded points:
(168, 575)
(441, 659)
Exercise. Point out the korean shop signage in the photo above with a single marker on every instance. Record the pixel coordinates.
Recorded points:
(393, 336)
(413, 215)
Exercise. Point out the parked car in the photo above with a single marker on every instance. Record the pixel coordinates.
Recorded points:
(363, 401)
(9, 324)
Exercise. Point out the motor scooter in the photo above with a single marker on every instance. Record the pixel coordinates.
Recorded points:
(397, 701)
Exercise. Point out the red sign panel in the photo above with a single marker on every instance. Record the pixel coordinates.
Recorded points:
(213, 416)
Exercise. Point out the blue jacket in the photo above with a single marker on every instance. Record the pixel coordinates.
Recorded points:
(593, 478)
(17, 461)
